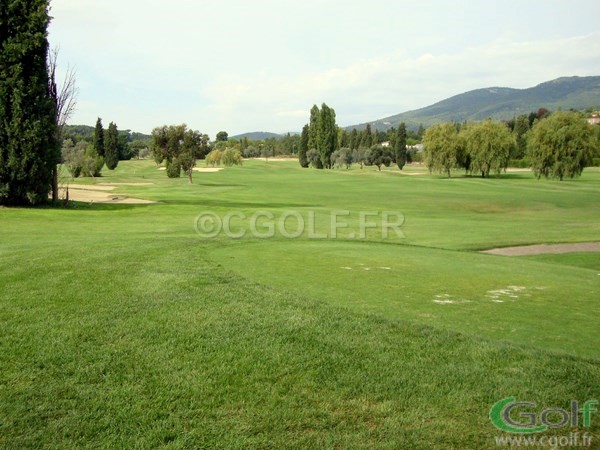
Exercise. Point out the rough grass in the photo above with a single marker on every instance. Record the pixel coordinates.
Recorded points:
(120, 328)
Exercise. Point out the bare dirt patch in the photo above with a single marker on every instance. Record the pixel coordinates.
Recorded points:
(99, 194)
(543, 249)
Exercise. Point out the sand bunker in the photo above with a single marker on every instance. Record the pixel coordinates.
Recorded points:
(125, 184)
(201, 169)
(98, 194)
(277, 158)
(400, 172)
(543, 249)
(208, 169)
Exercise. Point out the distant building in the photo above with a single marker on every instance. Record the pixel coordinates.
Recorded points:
(594, 119)
(418, 147)
(385, 144)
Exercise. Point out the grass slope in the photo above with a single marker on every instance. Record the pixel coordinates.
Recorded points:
(120, 327)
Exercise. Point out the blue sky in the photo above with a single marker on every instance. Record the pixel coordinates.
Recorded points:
(240, 65)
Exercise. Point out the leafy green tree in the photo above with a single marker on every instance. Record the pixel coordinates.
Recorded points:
(326, 135)
(444, 148)
(378, 156)
(193, 145)
(489, 145)
(561, 146)
(179, 147)
(99, 137)
(222, 136)
(303, 147)
(111, 147)
(400, 151)
(29, 149)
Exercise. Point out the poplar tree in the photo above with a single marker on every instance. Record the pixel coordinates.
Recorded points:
(303, 147)
(312, 127)
(326, 135)
(28, 146)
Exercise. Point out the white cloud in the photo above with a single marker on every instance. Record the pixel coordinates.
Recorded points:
(240, 66)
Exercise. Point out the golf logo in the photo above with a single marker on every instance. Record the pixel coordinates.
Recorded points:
(520, 417)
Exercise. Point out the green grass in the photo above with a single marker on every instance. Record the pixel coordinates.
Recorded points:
(121, 328)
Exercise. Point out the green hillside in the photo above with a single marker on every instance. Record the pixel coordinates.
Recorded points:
(500, 103)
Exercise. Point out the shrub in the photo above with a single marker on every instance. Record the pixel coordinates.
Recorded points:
(231, 157)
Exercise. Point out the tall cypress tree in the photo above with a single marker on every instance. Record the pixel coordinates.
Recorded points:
(28, 145)
(400, 146)
(99, 137)
(111, 147)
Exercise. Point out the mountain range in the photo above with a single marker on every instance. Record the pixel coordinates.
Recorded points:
(500, 103)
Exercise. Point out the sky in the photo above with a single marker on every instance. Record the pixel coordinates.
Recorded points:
(260, 65)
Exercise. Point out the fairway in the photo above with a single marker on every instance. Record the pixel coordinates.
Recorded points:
(123, 327)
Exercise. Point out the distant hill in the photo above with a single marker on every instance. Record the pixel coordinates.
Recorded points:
(257, 136)
(500, 103)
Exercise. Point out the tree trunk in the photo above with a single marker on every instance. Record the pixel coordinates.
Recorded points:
(190, 175)
(55, 185)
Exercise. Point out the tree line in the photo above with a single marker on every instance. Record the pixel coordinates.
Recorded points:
(324, 145)
(87, 156)
(558, 145)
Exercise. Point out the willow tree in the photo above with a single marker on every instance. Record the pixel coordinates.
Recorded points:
(29, 149)
(560, 146)
(444, 149)
(489, 146)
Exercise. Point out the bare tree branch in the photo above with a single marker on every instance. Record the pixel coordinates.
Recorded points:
(65, 94)
(65, 97)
